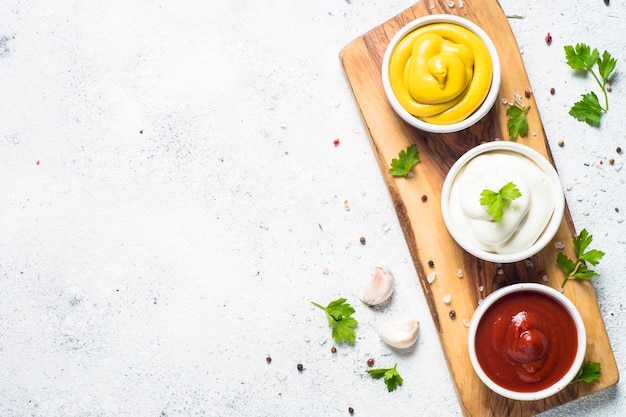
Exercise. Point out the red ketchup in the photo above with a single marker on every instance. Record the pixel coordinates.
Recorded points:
(526, 341)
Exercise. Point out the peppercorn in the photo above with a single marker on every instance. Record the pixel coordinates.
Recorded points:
(452, 314)
(552, 90)
(618, 150)
(362, 240)
(300, 367)
(268, 359)
(611, 161)
(431, 264)
(350, 410)
(370, 362)
(608, 87)
(528, 92)
(561, 143)
(617, 209)
(548, 38)
(333, 350)
(424, 198)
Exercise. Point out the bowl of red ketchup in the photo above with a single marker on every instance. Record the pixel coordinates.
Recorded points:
(527, 341)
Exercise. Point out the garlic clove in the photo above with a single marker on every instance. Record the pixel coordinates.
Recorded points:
(400, 335)
(379, 288)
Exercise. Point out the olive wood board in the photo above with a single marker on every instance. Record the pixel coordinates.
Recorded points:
(417, 204)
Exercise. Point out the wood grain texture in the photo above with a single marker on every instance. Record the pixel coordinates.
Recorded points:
(425, 232)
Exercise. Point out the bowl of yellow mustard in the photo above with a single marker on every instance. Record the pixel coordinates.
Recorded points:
(441, 73)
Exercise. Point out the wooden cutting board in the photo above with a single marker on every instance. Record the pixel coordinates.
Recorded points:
(417, 204)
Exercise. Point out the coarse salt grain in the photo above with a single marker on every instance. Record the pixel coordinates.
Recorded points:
(431, 277)
(481, 288)
(544, 278)
(447, 298)
(467, 323)
(559, 245)
(459, 273)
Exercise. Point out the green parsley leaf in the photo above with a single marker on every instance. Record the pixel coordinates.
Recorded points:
(582, 57)
(497, 201)
(589, 372)
(340, 320)
(401, 166)
(606, 65)
(517, 123)
(588, 109)
(579, 269)
(391, 376)
(582, 241)
(565, 263)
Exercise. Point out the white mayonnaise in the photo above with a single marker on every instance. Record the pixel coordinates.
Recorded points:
(524, 218)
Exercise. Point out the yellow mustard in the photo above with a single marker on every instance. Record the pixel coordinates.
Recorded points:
(440, 73)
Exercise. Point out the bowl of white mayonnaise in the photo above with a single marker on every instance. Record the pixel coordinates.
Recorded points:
(502, 201)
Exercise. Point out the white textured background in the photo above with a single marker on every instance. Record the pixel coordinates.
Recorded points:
(170, 195)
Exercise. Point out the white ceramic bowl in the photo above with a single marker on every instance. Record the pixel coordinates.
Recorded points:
(487, 103)
(581, 338)
(462, 237)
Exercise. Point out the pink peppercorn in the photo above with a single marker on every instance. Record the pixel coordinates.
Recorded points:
(548, 38)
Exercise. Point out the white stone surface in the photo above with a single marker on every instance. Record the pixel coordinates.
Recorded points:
(172, 197)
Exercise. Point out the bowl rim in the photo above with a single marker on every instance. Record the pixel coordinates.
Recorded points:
(555, 295)
(542, 162)
(488, 102)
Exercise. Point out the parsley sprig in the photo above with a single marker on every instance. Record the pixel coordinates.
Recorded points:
(517, 124)
(340, 320)
(406, 160)
(579, 269)
(589, 372)
(497, 201)
(391, 376)
(582, 57)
